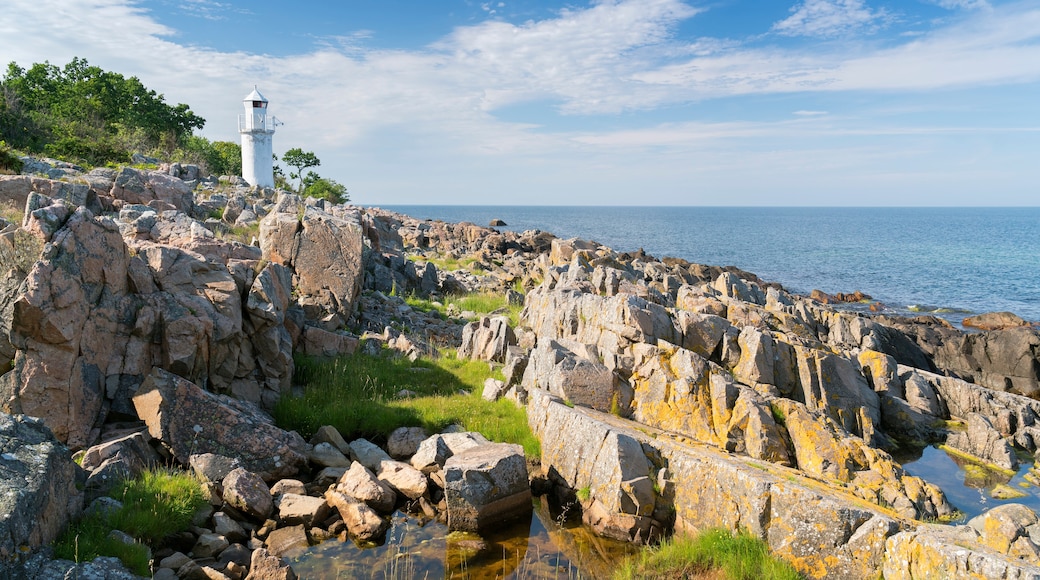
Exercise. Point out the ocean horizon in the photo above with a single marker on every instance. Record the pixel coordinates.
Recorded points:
(947, 261)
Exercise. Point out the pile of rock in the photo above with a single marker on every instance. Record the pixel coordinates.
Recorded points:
(458, 477)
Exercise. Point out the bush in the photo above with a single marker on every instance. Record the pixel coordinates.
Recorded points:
(9, 162)
(327, 189)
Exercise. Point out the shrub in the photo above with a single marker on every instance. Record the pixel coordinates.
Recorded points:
(9, 162)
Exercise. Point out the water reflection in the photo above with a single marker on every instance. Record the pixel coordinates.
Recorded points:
(550, 545)
(971, 487)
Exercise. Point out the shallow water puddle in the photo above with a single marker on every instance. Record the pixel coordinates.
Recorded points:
(547, 546)
(970, 487)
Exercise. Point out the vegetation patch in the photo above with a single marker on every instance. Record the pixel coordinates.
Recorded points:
(739, 557)
(156, 504)
(366, 396)
(481, 303)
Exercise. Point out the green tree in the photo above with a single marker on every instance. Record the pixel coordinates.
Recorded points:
(301, 160)
(324, 188)
(84, 112)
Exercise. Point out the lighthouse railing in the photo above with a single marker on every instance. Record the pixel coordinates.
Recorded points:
(266, 123)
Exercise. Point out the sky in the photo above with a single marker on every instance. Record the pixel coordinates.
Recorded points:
(610, 102)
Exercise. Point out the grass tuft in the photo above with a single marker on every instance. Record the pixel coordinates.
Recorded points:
(357, 395)
(155, 504)
(479, 302)
(739, 557)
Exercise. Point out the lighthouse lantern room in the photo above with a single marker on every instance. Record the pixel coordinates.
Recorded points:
(257, 130)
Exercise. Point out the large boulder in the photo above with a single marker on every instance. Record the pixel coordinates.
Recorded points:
(71, 321)
(485, 486)
(38, 495)
(147, 187)
(678, 390)
(89, 317)
(323, 251)
(994, 321)
(189, 420)
(982, 440)
(997, 544)
(573, 371)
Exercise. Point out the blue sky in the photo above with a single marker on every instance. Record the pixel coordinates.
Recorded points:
(613, 102)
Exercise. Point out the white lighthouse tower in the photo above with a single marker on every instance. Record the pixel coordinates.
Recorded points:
(257, 130)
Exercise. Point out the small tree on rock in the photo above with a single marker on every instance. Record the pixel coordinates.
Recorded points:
(301, 160)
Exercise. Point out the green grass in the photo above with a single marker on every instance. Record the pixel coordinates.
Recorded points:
(357, 395)
(740, 557)
(479, 302)
(243, 234)
(156, 504)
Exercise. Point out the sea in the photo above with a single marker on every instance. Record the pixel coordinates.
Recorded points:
(950, 262)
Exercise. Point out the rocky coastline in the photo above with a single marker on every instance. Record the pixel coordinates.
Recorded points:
(152, 316)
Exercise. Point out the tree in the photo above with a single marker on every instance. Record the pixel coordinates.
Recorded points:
(88, 113)
(301, 160)
(324, 188)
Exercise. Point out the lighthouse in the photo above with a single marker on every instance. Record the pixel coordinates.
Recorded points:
(257, 130)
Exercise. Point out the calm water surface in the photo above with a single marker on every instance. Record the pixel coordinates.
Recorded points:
(954, 260)
(548, 546)
(968, 486)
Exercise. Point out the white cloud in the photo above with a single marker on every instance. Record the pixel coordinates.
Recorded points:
(208, 9)
(829, 18)
(963, 4)
(400, 117)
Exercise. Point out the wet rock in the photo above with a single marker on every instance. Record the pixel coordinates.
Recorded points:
(361, 484)
(994, 321)
(486, 485)
(363, 523)
(981, 440)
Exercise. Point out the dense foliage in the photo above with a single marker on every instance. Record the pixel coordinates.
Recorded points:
(324, 188)
(81, 112)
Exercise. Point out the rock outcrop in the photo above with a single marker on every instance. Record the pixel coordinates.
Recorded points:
(189, 420)
(38, 495)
